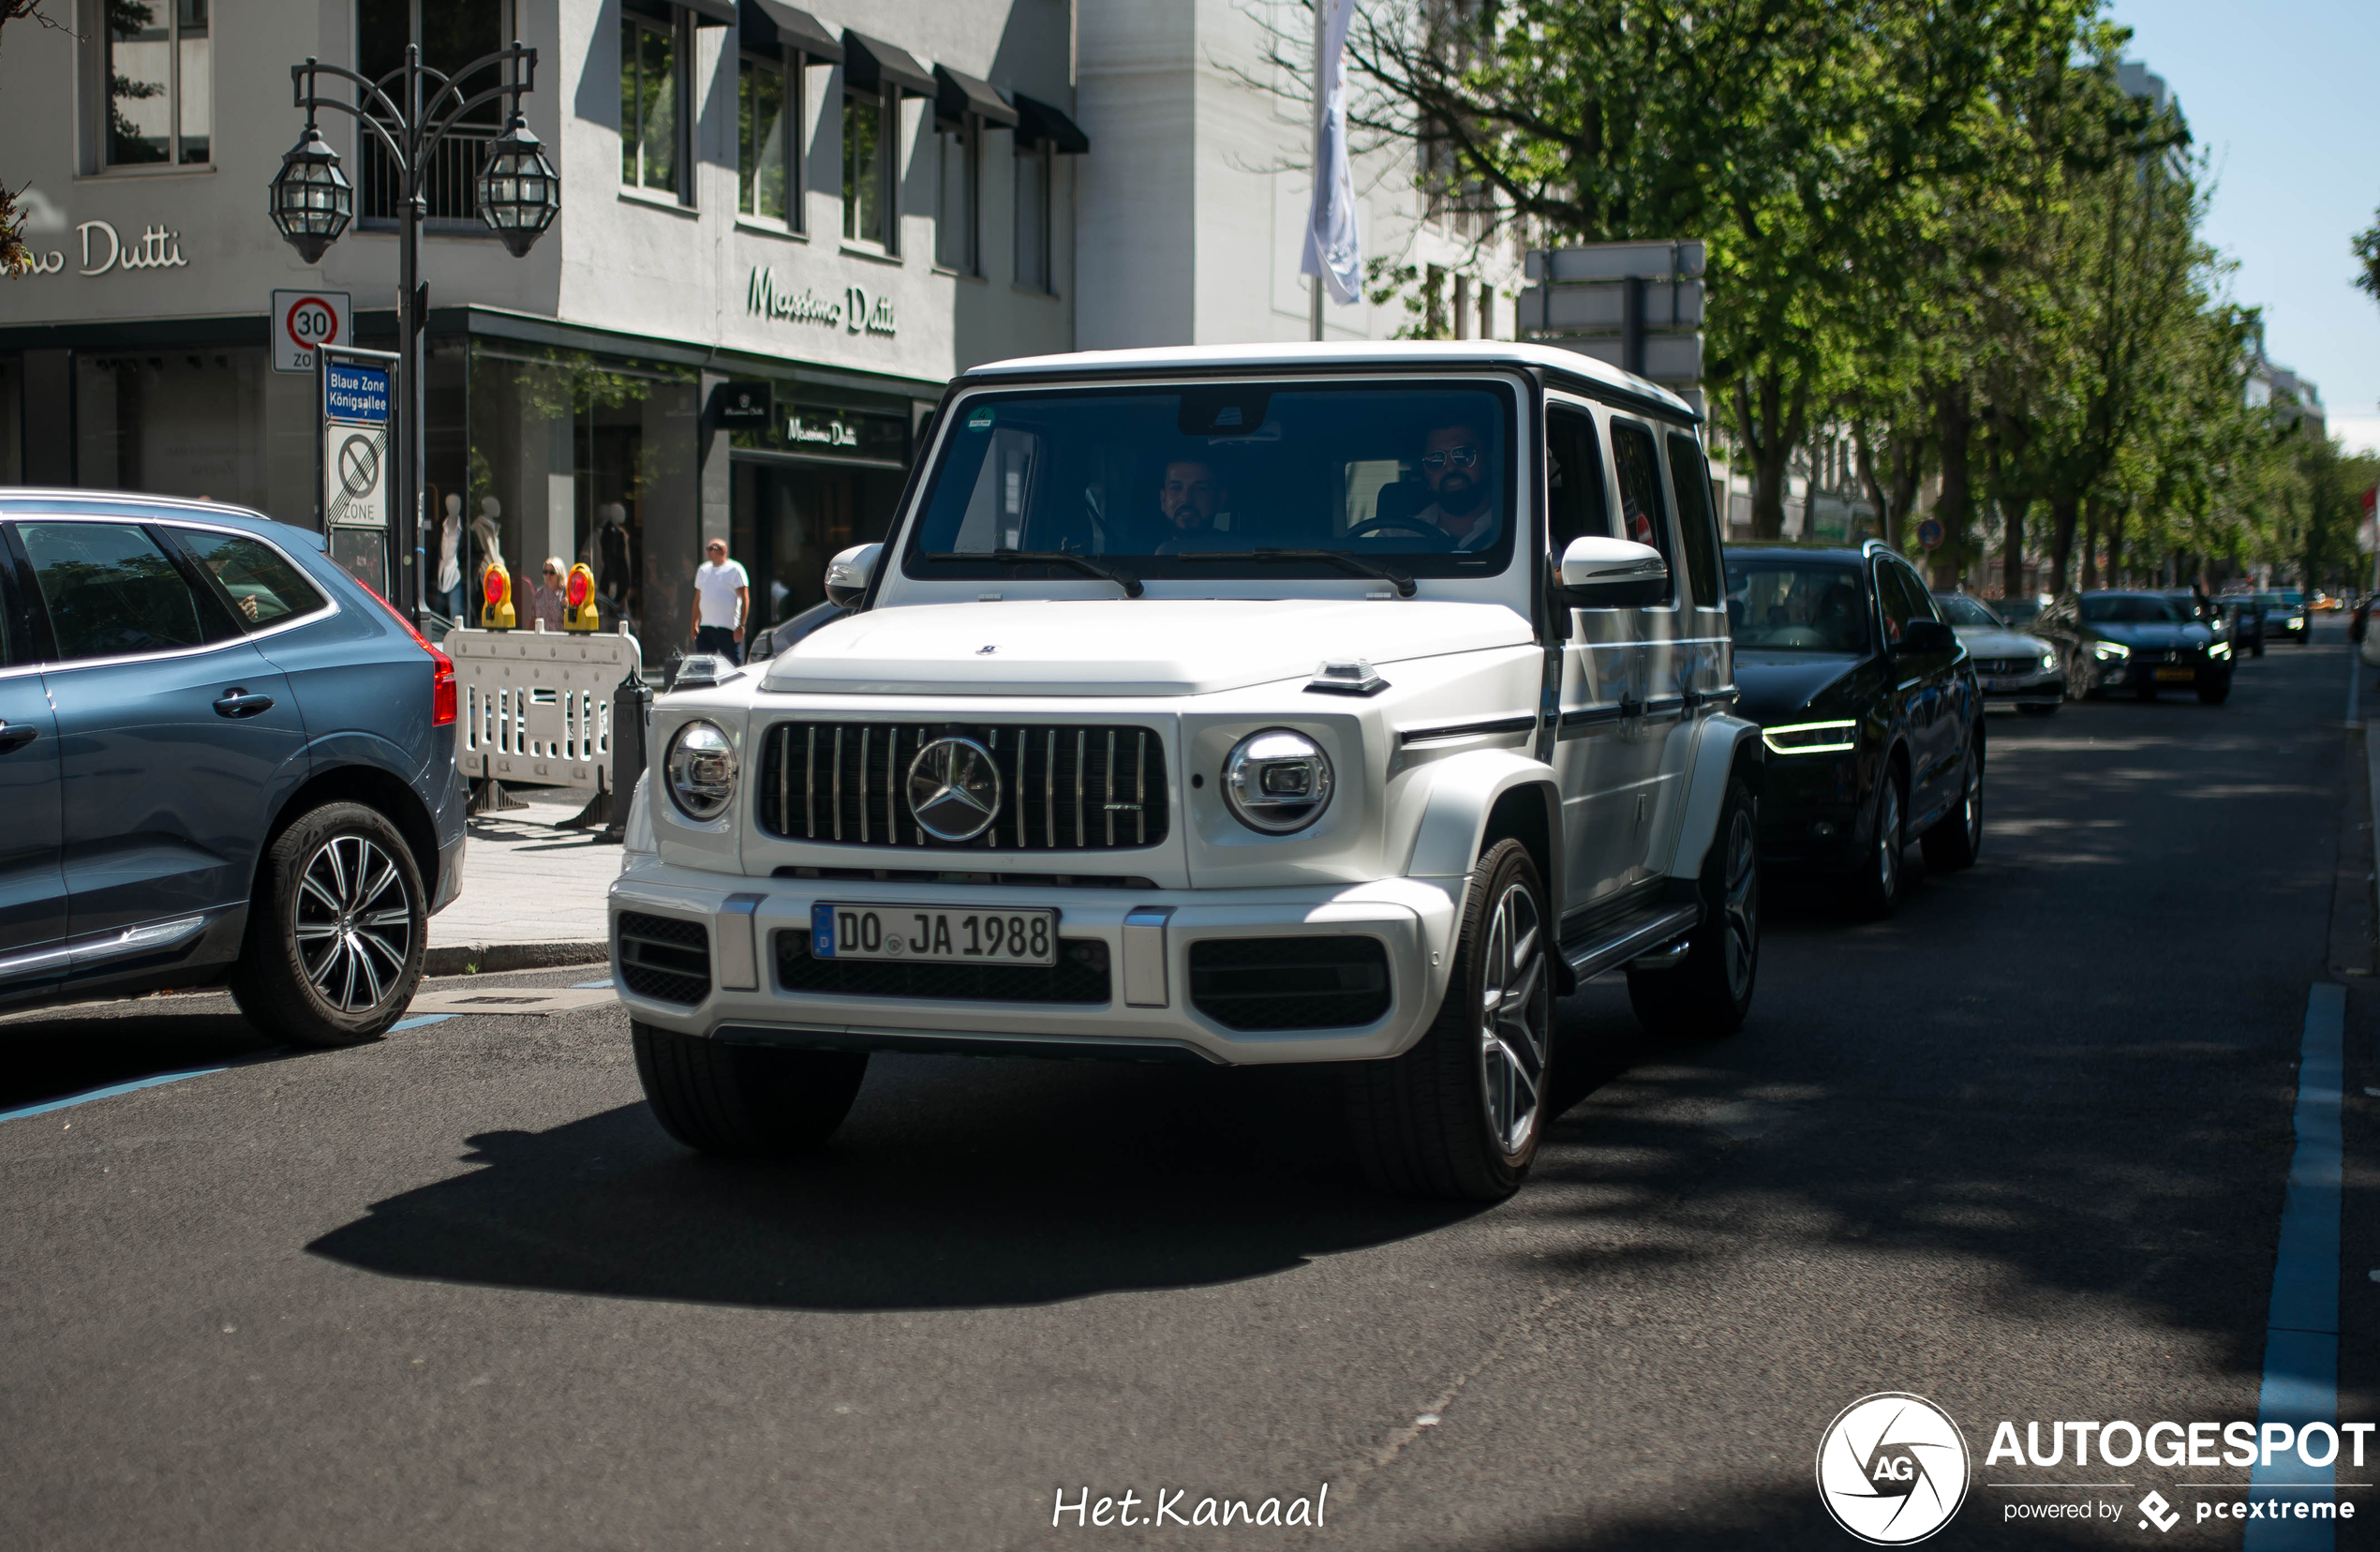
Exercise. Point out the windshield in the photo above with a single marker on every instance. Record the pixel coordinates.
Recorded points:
(2132, 609)
(1959, 609)
(1410, 477)
(1782, 605)
(2292, 598)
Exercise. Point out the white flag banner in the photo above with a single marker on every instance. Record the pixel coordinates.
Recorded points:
(1333, 248)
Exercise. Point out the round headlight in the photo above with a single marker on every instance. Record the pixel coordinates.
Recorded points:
(1277, 781)
(702, 770)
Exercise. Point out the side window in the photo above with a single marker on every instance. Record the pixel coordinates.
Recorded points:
(1892, 596)
(1575, 507)
(258, 584)
(1921, 597)
(110, 590)
(1696, 526)
(1639, 468)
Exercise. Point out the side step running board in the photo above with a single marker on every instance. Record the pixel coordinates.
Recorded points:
(1596, 955)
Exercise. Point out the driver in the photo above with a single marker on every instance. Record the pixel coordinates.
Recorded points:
(1187, 499)
(1454, 465)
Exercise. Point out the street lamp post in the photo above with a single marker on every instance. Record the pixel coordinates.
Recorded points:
(412, 109)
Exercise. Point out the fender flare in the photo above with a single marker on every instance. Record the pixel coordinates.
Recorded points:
(1723, 741)
(1464, 792)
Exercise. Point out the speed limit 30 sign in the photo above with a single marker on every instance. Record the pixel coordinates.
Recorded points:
(302, 321)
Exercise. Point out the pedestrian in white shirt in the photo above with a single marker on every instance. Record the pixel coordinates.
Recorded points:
(722, 595)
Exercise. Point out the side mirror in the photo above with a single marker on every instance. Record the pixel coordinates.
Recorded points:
(1922, 638)
(1612, 573)
(849, 574)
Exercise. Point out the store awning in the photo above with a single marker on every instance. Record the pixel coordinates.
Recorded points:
(1036, 122)
(711, 13)
(958, 93)
(871, 66)
(774, 24)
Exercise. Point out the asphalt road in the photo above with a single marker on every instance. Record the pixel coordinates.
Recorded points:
(2020, 1150)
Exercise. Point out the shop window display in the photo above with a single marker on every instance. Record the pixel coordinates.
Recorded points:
(592, 458)
(174, 422)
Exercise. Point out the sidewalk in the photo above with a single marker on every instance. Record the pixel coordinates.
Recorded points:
(533, 893)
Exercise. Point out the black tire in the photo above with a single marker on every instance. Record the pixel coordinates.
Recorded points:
(1421, 1123)
(1873, 891)
(1706, 994)
(335, 931)
(2215, 695)
(1958, 837)
(2038, 711)
(741, 1101)
(2258, 651)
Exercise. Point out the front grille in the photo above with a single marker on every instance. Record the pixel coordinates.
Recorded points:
(663, 958)
(1061, 788)
(1080, 976)
(2009, 665)
(1289, 982)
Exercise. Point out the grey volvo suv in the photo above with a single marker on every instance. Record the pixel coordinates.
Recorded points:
(221, 759)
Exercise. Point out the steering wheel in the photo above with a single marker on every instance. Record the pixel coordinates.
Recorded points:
(1374, 526)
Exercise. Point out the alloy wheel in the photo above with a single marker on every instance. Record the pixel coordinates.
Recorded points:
(1741, 906)
(1516, 1016)
(1888, 837)
(355, 925)
(1972, 804)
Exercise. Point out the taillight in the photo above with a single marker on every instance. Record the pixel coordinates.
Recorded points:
(442, 696)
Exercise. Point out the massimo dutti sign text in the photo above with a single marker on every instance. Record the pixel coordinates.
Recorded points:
(854, 312)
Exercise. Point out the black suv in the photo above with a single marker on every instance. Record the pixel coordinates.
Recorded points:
(1871, 711)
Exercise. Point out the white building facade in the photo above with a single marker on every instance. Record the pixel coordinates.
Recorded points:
(847, 207)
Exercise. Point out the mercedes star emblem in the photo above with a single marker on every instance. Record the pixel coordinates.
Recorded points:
(954, 789)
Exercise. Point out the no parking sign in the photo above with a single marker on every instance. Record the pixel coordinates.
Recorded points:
(302, 323)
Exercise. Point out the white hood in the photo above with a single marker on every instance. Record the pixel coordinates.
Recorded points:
(1125, 646)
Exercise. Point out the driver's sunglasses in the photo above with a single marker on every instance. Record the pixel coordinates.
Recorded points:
(1460, 457)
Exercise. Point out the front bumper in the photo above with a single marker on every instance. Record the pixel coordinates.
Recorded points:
(2133, 674)
(1148, 1013)
(2046, 687)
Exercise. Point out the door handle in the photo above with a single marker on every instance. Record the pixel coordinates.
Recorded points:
(239, 703)
(17, 737)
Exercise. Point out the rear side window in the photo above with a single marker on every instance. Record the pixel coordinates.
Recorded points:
(261, 585)
(1574, 502)
(110, 591)
(1639, 468)
(1696, 526)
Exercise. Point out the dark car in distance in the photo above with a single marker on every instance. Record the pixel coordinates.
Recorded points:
(2140, 642)
(1870, 708)
(222, 759)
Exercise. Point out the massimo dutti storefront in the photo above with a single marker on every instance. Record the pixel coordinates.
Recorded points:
(778, 238)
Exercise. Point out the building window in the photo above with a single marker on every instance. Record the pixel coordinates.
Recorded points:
(1033, 217)
(959, 195)
(768, 115)
(652, 118)
(155, 58)
(871, 151)
(452, 35)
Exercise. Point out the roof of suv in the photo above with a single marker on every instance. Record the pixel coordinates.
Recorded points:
(1596, 377)
(74, 501)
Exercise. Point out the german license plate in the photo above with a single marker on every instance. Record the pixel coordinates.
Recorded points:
(935, 933)
(2179, 676)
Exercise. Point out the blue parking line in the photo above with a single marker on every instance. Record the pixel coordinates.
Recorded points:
(604, 985)
(112, 1091)
(2302, 1332)
(423, 1020)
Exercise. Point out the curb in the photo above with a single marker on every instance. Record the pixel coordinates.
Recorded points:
(458, 958)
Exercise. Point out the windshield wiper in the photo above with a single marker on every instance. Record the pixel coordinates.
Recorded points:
(1083, 563)
(1401, 581)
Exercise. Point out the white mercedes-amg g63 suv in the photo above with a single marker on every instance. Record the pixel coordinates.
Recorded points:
(1333, 704)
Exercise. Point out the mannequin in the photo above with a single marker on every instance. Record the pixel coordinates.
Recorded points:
(450, 564)
(611, 551)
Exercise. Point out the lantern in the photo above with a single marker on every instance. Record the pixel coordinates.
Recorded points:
(496, 584)
(578, 600)
(312, 200)
(518, 192)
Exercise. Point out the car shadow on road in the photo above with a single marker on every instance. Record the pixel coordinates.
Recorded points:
(956, 1184)
(69, 1051)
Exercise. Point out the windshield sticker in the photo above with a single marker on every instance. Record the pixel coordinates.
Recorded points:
(980, 420)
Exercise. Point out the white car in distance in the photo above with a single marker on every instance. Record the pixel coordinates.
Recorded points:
(1336, 704)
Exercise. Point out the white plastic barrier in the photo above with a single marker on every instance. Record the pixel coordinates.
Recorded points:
(536, 705)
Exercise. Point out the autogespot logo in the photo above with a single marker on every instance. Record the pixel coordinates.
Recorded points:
(1892, 1469)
